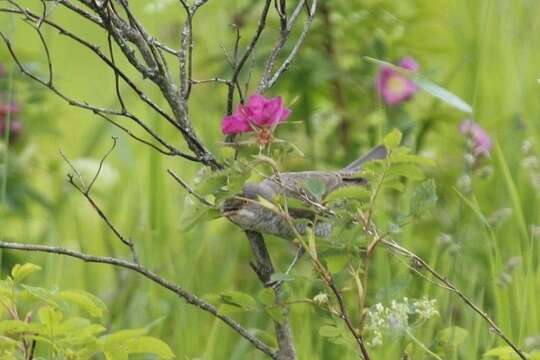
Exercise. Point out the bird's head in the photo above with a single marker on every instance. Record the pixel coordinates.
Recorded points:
(243, 209)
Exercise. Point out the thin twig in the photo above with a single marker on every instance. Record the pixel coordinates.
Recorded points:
(85, 191)
(189, 189)
(268, 81)
(240, 63)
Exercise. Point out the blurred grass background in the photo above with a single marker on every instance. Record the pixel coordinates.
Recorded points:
(483, 50)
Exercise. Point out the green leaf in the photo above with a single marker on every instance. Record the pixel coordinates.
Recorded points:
(352, 192)
(392, 140)
(195, 213)
(149, 345)
(86, 301)
(502, 353)
(316, 187)
(442, 94)
(453, 335)
(407, 170)
(329, 331)
(336, 262)
(276, 313)
(111, 341)
(41, 294)
(50, 316)
(13, 327)
(424, 196)
(238, 299)
(267, 297)
(20, 272)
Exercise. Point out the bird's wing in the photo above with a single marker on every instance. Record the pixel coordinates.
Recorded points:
(377, 153)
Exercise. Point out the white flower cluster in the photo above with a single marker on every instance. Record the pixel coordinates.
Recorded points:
(396, 317)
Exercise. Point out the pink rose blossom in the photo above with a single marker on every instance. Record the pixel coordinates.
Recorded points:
(258, 112)
(394, 87)
(481, 140)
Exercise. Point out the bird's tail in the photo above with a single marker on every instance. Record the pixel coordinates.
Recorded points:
(377, 153)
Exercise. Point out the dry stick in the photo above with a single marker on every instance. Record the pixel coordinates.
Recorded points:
(186, 295)
(393, 247)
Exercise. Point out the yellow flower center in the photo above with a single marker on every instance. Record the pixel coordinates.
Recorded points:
(397, 84)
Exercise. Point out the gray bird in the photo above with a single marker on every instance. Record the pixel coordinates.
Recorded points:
(255, 219)
(245, 211)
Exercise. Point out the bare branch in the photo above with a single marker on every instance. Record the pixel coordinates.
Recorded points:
(240, 63)
(268, 80)
(162, 282)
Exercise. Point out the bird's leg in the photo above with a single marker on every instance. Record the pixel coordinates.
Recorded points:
(263, 263)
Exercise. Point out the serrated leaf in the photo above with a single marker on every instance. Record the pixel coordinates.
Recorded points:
(21, 272)
(315, 187)
(424, 196)
(348, 193)
(86, 301)
(392, 139)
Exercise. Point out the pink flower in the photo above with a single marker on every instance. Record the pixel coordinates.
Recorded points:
(481, 141)
(15, 128)
(258, 112)
(394, 87)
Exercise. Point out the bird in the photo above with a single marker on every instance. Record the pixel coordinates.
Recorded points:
(248, 213)
(256, 219)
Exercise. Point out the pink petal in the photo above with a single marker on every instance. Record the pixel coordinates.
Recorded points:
(409, 63)
(234, 124)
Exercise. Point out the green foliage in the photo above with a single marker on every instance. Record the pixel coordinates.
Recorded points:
(424, 197)
(38, 321)
(448, 340)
